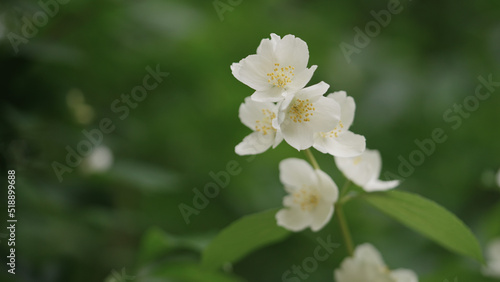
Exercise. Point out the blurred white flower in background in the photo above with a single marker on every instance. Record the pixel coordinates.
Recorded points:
(278, 69)
(492, 267)
(100, 160)
(367, 265)
(341, 142)
(312, 194)
(364, 171)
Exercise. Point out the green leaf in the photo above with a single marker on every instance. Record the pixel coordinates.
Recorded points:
(429, 219)
(242, 237)
(156, 243)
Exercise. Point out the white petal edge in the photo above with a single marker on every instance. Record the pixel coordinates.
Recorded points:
(296, 172)
(255, 143)
(292, 219)
(404, 275)
(346, 145)
(379, 185)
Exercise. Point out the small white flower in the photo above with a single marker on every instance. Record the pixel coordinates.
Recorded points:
(341, 142)
(305, 113)
(278, 68)
(312, 194)
(367, 265)
(492, 268)
(364, 171)
(100, 160)
(258, 116)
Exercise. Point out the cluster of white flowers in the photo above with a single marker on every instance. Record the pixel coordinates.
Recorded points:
(283, 108)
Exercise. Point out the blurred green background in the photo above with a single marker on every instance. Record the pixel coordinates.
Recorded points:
(95, 226)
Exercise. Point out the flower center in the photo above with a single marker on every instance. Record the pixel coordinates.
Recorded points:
(265, 124)
(281, 76)
(335, 132)
(307, 199)
(301, 111)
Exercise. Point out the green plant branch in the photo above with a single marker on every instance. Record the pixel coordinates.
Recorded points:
(311, 158)
(339, 212)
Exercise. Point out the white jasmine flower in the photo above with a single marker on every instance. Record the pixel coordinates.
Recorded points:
(312, 194)
(492, 268)
(341, 142)
(305, 113)
(367, 265)
(364, 170)
(278, 68)
(258, 116)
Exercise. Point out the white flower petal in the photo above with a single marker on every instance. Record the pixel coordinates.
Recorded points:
(361, 169)
(346, 144)
(255, 143)
(321, 215)
(404, 275)
(379, 185)
(270, 94)
(251, 111)
(292, 51)
(301, 78)
(326, 187)
(368, 253)
(266, 49)
(367, 265)
(299, 136)
(277, 139)
(313, 91)
(292, 219)
(347, 107)
(296, 172)
(326, 115)
(252, 71)
(492, 254)
(498, 178)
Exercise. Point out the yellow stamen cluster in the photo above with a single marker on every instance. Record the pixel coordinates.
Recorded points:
(281, 76)
(335, 132)
(306, 198)
(301, 111)
(265, 124)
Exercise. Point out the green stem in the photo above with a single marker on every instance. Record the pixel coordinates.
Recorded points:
(344, 188)
(311, 158)
(344, 228)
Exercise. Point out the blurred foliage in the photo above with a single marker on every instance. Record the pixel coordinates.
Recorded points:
(90, 226)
